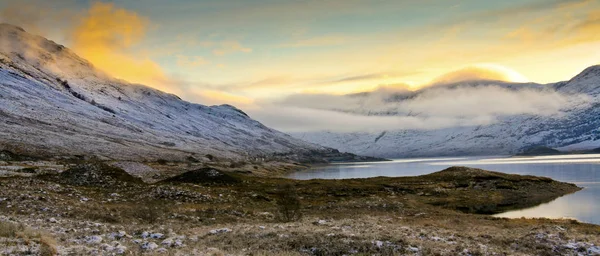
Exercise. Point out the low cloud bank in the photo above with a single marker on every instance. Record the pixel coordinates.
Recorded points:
(428, 108)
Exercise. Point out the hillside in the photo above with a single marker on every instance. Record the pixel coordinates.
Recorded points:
(54, 103)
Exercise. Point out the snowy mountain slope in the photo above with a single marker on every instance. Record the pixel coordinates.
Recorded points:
(576, 127)
(53, 102)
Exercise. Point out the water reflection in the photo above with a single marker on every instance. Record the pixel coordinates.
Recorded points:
(583, 170)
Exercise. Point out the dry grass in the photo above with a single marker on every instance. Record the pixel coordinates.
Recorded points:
(378, 216)
(10, 229)
(47, 245)
(34, 238)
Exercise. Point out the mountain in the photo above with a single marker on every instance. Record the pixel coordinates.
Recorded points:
(54, 103)
(575, 128)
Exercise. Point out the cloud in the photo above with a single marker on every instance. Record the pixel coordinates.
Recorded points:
(395, 107)
(435, 108)
(214, 97)
(25, 15)
(46, 18)
(527, 9)
(319, 41)
(105, 35)
(563, 24)
(296, 119)
(480, 72)
(190, 62)
(226, 47)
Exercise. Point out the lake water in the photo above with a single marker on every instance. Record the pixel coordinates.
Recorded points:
(583, 170)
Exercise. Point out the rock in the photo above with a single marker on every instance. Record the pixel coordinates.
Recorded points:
(106, 247)
(117, 235)
(167, 242)
(321, 222)
(178, 243)
(413, 249)
(115, 248)
(52, 220)
(219, 231)
(120, 249)
(149, 246)
(261, 227)
(145, 234)
(173, 241)
(157, 235)
(93, 240)
(161, 250)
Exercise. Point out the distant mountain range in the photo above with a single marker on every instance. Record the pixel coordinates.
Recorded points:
(54, 103)
(575, 128)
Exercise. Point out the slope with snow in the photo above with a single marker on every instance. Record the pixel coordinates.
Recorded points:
(53, 102)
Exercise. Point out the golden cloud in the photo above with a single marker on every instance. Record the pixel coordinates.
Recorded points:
(190, 62)
(566, 24)
(105, 36)
(328, 40)
(230, 46)
(212, 97)
(480, 72)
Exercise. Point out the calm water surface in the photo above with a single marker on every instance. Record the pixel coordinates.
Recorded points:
(583, 170)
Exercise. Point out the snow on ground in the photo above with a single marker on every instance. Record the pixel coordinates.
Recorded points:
(53, 101)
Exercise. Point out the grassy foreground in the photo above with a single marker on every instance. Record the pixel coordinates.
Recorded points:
(97, 209)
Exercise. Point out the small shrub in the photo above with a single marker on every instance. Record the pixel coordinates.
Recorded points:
(192, 159)
(47, 246)
(150, 213)
(288, 204)
(237, 164)
(65, 84)
(9, 229)
(78, 95)
(105, 108)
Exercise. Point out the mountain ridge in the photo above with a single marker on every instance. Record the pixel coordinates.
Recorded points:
(55, 103)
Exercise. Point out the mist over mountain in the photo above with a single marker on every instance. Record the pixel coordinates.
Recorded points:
(464, 118)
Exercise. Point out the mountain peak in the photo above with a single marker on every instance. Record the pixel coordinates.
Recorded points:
(588, 81)
(589, 72)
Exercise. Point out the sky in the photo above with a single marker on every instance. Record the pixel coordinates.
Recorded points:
(252, 53)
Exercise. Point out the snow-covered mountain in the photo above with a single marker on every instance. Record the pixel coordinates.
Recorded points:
(576, 127)
(54, 103)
